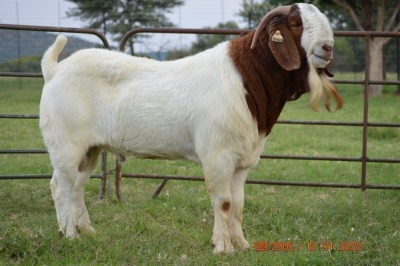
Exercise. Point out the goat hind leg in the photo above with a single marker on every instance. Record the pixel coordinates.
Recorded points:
(86, 167)
(79, 210)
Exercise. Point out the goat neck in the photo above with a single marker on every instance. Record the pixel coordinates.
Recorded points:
(268, 86)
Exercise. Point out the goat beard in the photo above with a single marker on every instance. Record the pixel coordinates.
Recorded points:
(321, 88)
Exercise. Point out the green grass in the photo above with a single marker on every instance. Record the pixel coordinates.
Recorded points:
(175, 228)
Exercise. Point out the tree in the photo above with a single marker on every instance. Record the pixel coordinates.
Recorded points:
(116, 17)
(362, 15)
(205, 41)
(373, 15)
(252, 12)
(99, 13)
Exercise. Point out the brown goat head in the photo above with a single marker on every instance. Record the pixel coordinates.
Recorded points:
(305, 35)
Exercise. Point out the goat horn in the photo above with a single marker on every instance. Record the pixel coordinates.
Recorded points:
(281, 10)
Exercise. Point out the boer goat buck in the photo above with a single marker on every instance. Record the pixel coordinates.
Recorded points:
(215, 108)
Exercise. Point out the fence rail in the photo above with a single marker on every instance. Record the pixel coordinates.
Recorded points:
(365, 124)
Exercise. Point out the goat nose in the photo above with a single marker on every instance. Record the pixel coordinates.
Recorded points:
(327, 47)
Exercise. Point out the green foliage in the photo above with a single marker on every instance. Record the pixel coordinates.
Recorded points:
(252, 12)
(391, 55)
(348, 55)
(25, 64)
(178, 53)
(205, 41)
(98, 13)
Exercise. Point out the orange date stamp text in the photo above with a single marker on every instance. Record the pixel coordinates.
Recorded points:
(307, 246)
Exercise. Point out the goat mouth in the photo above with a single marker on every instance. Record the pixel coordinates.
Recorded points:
(323, 57)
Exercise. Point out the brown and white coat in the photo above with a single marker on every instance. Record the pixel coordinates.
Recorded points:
(215, 108)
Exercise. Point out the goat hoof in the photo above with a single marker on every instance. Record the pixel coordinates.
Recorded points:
(71, 233)
(87, 230)
(241, 244)
(221, 247)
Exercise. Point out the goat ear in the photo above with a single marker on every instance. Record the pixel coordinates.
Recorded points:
(283, 47)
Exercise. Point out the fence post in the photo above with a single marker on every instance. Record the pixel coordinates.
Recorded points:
(365, 119)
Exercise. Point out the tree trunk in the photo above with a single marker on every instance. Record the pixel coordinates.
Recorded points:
(376, 65)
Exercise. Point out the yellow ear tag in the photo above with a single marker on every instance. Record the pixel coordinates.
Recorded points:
(277, 37)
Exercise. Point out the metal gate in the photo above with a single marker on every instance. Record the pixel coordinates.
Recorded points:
(363, 159)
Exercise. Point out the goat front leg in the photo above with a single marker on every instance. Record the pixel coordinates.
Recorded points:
(54, 194)
(235, 218)
(218, 186)
(80, 213)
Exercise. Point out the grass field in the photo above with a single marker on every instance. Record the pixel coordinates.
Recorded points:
(176, 227)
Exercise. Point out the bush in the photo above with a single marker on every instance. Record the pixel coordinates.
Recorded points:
(24, 64)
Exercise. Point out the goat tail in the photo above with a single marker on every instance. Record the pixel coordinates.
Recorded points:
(50, 57)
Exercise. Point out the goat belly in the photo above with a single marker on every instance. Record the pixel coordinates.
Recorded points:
(154, 154)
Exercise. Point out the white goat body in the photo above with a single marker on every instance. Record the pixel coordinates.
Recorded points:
(193, 108)
(215, 108)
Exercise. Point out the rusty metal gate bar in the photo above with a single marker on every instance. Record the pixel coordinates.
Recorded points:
(365, 119)
(103, 175)
(365, 124)
(56, 29)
